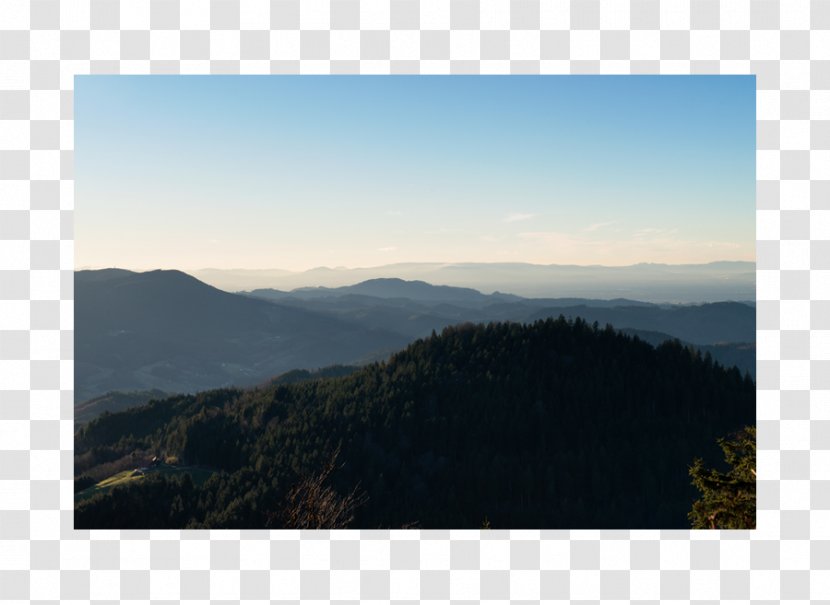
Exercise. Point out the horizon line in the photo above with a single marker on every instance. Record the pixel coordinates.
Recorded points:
(434, 263)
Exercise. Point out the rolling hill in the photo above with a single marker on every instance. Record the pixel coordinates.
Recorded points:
(167, 330)
(395, 289)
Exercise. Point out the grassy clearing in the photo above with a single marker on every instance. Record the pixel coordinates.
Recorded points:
(198, 474)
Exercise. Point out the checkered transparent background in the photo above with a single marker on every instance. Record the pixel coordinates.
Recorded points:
(44, 43)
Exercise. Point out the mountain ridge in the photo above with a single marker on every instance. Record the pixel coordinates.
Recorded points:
(658, 283)
(168, 330)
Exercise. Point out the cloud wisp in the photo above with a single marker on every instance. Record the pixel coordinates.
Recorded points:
(597, 226)
(518, 216)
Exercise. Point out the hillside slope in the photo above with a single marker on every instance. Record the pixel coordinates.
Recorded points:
(553, 425)
(167, 330)
(704, 324)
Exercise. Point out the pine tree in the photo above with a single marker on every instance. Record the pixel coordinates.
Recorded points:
(728, 499)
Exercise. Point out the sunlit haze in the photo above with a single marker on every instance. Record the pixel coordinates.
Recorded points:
(295, 172)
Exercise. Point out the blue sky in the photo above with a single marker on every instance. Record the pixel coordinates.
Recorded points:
(295, 172)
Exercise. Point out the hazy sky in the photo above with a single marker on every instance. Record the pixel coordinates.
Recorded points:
(295, 172)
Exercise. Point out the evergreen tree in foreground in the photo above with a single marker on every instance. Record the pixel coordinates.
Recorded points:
(728, 499)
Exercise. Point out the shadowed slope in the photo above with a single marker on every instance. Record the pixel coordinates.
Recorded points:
(168, 330)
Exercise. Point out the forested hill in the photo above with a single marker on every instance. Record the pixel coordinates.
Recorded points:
(555, 424)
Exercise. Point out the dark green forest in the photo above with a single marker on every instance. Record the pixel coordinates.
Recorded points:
(554, 424)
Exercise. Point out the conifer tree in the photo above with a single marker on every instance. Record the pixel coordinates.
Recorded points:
(727, 499)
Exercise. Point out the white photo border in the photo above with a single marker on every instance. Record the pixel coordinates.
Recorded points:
(44, 44)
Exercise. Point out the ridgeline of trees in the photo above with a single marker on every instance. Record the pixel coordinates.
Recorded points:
(557, 424)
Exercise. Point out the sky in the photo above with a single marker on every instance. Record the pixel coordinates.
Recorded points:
(296, 172)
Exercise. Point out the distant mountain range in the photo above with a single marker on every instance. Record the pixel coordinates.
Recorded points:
(393, 288)
(718, 281)
(390, 290)
(167, 330)
(415, 308)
